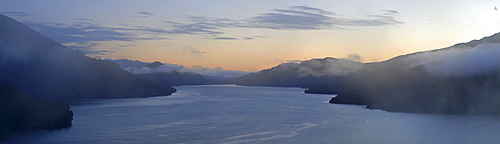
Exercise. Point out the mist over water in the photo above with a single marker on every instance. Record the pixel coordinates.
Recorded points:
(234, 114)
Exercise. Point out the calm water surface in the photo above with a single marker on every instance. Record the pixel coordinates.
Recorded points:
(236, 114)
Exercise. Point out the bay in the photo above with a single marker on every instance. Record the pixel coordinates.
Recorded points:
(240, 114)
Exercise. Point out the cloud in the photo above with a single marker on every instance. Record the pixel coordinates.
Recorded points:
(354, 57)
(294, 18)
(80, 32)
(325, 67)
(88, 48)
(199, 52)
(225, 38)
(163, 68)
(81, 46)
(188, 50)
(459, 61)
(16, 14)
(308, 18)
(316, 10)
(213, 72)
(89, 31)
(254, 37)
(295, 61)
(143, 13)
(194, 28)
(391, 12)
(138, 67)
(82, 35)
(97, 52)
(85, 20)
(217, 71)
(128, 45)
(291, 18)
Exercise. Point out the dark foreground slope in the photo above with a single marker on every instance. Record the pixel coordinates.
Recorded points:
(41, 67)
(19, 111)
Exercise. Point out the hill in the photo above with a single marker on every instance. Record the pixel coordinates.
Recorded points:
(217, 74)
(460, 79)
(44, 68)
(304, 74)
(20, 111)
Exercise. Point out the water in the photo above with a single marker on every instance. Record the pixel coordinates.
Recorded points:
(234, 114)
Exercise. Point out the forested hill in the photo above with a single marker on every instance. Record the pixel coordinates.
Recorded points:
(460, 79)
(44, 68)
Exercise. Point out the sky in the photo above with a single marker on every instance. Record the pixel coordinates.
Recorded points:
(259, 34)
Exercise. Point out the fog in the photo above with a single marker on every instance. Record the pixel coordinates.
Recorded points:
(166, 67)
(459, 61)
(329, 67)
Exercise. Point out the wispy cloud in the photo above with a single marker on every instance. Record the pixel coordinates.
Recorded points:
(97, 52)
(308, 18)
(458, 60)
(254, 37)
(141, 68)
(225, 38)
(85, 33)
(371, 20)
(188, 50)
(311, 9)
(294, 18)
(88, 48)
(81, 32)
(143, 13)
(295, 61)
(354, 57)
(128, 45)
(194, 28)
(291, 18)
(88, 31)
(391, 12)
(82, 46)
(199, 52)
(15, 14)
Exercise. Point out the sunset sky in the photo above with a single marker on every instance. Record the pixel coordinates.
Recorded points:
(250, 35)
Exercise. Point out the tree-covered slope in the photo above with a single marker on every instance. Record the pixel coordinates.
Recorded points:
(20, 111)
(46, 69)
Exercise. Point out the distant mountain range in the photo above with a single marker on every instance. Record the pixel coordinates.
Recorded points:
(460, 79)
(217, 74)
(175, 78)
(173, 74)
(304, 74)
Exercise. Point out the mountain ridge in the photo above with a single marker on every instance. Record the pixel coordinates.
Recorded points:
(460, 79)
(44, 68)
(304, 74)
(141, 68)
